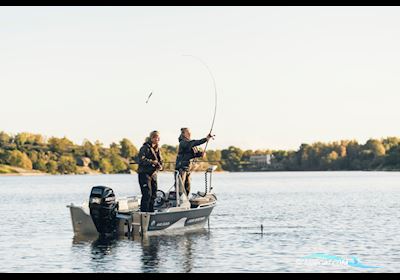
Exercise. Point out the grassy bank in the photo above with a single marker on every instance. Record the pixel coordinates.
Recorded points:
(12, 170)
(4, 169)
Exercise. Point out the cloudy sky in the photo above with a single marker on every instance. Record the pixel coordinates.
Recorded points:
(284, 75)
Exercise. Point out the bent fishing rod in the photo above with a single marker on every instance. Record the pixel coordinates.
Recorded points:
(215, 95)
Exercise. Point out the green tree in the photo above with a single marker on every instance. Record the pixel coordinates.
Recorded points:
(3, 156)
(87, 147)
(60, 145)
(279, 156)
(21, 138)
(115, 149)
(231, 158)
(349, 151)
(168, 154)
(95, 151)
(393, 157)
(303, 156)
(4, 139)
(214, 157)
(246, 155)
(40, 164)
(28, 138)
(391, 142)
(118, 164)
(105, 166)
(376, 147)
(128, 150)
(34, 157)
(19, 159)
(328, 160)
(66, 165)
(52, 166)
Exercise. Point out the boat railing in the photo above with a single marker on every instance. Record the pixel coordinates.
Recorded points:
(179, 189)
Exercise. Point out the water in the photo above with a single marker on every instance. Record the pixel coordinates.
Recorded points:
(302, 213)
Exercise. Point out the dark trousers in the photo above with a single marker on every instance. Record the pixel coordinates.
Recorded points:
(185, 175)
(148, 186)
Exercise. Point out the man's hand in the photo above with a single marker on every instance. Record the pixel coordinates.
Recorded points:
(209, 136)
(156, 164)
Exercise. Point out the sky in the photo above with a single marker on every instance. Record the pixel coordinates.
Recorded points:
(284, 75)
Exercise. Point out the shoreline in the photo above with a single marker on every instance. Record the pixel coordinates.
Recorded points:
(34, 174)
(23, 174)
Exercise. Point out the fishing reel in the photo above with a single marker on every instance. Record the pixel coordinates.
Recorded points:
(212, 136)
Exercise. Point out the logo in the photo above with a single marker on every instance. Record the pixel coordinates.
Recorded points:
(323, 259)
(195, 220)
(161, 224)
(96, 200)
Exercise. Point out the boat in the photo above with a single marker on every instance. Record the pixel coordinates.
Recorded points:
(104, 215)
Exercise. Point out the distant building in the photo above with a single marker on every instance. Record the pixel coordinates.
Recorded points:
(261, 160)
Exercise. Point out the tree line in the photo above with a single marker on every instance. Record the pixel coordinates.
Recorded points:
(62, 156)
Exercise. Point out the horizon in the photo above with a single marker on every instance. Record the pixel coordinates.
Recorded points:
(284, 75)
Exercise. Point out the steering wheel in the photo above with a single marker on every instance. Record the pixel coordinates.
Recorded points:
(160, 198)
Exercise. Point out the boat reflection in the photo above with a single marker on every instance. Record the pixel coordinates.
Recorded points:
(165, 249)
(158, 253)
(102, 247)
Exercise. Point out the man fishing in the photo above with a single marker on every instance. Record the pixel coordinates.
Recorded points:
(150, 162)
(186, 152)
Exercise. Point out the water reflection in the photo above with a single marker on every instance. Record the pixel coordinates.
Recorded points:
(150, 254)
(175, 248)
(154, 253)
(102, 247)
(101, 251)
(188, 254)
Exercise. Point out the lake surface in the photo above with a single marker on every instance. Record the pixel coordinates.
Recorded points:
(342, 214)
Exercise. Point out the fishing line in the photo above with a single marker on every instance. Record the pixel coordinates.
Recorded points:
(215, 93)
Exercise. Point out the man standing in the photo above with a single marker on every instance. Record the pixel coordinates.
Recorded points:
(187, 151)
(150, 162)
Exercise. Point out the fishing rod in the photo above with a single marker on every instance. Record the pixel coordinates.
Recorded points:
(215, 96)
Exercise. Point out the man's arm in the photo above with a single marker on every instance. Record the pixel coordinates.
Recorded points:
(195, 143)
(143, 160)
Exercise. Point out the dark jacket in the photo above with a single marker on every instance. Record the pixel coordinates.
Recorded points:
(146, 155)
(187, 151)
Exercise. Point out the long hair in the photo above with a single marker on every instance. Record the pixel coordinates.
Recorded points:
(153, 134)
(181, 136)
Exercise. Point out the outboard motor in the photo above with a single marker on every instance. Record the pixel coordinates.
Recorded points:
(103, 210)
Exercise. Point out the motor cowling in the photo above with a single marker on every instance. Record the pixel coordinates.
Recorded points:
(103, 210)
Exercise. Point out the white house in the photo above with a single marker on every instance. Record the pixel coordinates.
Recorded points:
(261, 160)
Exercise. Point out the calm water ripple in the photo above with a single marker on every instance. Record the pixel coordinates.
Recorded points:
(338, 213)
